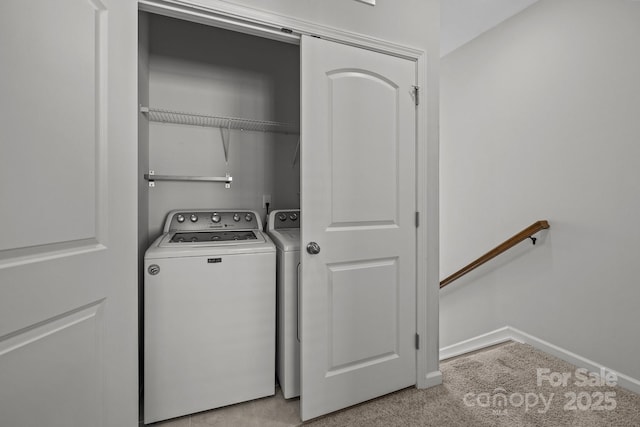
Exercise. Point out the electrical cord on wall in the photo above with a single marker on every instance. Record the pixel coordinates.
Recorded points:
(266, 217)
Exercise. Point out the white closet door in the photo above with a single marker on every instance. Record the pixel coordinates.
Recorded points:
(68, 271)
(358, 310)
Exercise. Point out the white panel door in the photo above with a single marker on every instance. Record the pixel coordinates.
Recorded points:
(68, 271)
(358, 204)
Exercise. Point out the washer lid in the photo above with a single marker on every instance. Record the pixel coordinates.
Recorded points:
(164, 248)
(213, 237)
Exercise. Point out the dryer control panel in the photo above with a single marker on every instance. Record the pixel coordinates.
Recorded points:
(284, 218)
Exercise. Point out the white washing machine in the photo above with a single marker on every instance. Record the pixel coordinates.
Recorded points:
(284, 228)
(209, 313)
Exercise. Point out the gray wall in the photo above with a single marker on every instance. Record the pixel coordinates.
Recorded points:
(201, 69)
(540, 120)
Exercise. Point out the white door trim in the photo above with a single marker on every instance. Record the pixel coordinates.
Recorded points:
(269, 25)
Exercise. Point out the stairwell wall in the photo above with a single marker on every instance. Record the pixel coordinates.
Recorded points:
(540, 119)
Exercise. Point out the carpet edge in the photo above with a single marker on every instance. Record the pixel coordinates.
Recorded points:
(509, 333)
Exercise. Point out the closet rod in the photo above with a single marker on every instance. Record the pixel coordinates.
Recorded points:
(152, 177)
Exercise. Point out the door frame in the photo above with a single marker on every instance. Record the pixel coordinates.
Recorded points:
(288, 29)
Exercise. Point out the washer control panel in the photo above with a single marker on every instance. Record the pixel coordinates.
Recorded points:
(285, 218)
(209, 219)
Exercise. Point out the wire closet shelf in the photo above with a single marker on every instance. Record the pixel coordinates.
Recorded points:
(194, 119)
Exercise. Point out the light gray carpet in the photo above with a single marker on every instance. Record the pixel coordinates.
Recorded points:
(510, 369)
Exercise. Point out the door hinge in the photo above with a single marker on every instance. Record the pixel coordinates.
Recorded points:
(417, 219)
(416, 94)
(417, 342)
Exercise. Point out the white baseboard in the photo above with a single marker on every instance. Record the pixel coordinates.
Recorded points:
(509, 333)
(481, 341)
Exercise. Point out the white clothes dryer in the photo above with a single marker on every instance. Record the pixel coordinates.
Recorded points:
(284, 228)
(209, 313)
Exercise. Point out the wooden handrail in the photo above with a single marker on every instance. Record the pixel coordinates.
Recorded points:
(507, 244)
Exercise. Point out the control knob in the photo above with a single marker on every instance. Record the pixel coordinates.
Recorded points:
(180, 218)
(282, 217)
(236, 217)
(248, 217)
(215, 217)
(194, 218)
(293, 216)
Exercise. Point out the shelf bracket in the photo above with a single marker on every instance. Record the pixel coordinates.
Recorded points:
(296, 154)
(150, 177)
(225, 141)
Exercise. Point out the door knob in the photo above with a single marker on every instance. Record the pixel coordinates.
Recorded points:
(313, 248)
